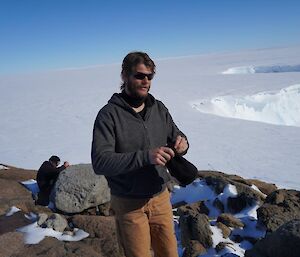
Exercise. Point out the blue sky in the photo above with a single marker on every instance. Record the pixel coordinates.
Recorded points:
(53, 34)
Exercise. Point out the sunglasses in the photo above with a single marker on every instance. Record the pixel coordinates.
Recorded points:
(141, 76)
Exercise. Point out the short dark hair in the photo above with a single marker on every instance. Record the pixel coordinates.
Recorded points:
(131, 60)
(54, 158)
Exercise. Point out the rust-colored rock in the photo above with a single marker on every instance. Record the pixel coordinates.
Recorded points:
(11, 223)
(11, 243)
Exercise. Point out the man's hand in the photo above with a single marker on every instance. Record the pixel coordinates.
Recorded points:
(161, 155)
(66, 164)
(181, 144)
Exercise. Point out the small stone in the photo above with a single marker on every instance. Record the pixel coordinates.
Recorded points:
(194, 249)
(221, 246)
(69, 233)
(218, 204)
(230, 221)
(226, 231)
(57, 222)
(42, 217)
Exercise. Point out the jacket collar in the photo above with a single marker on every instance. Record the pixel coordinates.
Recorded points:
(117, 99)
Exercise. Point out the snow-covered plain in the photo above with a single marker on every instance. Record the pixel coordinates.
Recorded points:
(53, 112)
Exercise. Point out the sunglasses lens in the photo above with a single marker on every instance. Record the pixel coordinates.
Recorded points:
(142, 76)
(150, 76)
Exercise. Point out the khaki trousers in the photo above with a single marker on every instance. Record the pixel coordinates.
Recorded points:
(145, 223)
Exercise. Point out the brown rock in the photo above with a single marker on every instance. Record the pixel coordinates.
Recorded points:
(194, 249)
(221, 246)
(280, 207)
(4, 207)
(218, 204)
(240, 202)
(266, 188)
(247, 196)
(193, 209)
(105, 247)
(51, 247)
(17, 174)
(103, 230)
(226, 231)
(230, 221)
(12, 193)
(195, 227)
(11, 243)
(28, 207)
(96, 226)
(285, 241)
(100, 210)
(11, 223)
(218, 180)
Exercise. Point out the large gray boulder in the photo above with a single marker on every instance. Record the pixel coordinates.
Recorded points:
(79, 188)
(285, 241)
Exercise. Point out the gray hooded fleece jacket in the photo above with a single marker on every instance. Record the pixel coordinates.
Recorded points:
(121, 143)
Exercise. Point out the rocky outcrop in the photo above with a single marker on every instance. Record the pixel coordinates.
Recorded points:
(285, 241)
(192, 218)
(279, 207)
(80, 185)
(79, 188)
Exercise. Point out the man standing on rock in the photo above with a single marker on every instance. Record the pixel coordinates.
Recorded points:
(46, 178)
(131, 140)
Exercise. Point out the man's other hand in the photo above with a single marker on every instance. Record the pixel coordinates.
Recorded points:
(161, 155)
(66, 164)
(181, 144)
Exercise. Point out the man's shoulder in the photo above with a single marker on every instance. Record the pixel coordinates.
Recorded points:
(160, 105)
(153, 101)
(45, 165)
(110, 109)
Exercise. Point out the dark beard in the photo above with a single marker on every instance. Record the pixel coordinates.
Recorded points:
(132, 92)
(133, 101)
(132, 97)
